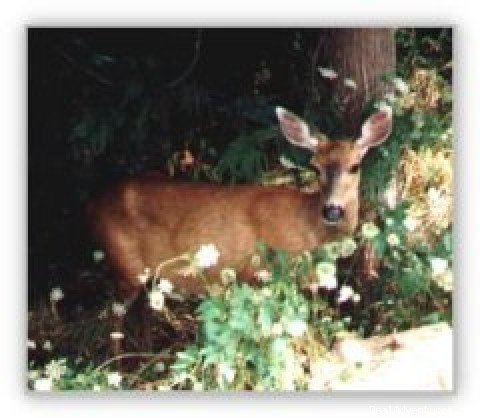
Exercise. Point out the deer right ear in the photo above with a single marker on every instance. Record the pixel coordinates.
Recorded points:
(376, 129)
(295, 129)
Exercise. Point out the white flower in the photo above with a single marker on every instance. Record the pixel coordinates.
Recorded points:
(144, 276)
(285, 162)
(114, 379)
(165, 286)
(400, 85)
(47, 345)
(389, 221)
(346, 293)
(350, 83)
(98, 255)
(56, 294)
(390, 195)
(55, 369)
(266, 292)
(437, 201)
(31, 345)
(263, 275)
(356, 298)
(327, 319)
(326, 275)
(434, 197)
(118, 309)
(227, 372)
(207, 256)
(96, 388)
(255, 260)
(156, 300)
(446, 135)
(160, 367)
(370, 230)
(325, 269)
(277, 329)
(328, 283)
(33, 374)
(327, 73)
(348, 247)
(228, 275)
(445, 281)
(410, 223)
(383, 106)
(43, 384)
(297, 328)
(393, 239)
(333, 249)
(438, 266)
(389, 97)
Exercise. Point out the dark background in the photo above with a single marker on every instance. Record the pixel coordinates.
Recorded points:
(108, 103)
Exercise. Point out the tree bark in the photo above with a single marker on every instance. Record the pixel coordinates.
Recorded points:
(363, 55)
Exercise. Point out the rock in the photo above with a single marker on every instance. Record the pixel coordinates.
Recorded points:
(418, 359)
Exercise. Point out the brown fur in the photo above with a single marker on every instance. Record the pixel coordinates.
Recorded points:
(146, 220)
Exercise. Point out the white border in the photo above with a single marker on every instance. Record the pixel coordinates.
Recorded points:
(15, 15)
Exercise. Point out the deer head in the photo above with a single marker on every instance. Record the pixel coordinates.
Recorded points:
(337, 162)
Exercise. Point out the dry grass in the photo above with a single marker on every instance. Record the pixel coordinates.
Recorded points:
(85, 336)
(426, 179)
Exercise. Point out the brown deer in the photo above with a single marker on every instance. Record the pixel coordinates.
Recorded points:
(145, 220)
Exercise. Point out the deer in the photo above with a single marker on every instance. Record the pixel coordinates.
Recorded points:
(146, 219)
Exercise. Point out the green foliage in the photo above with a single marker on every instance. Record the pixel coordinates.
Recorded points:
(236, 347)
(412, 128)
(245, 157)
(59, 375)
(427, 48)
(423, 114)
(244, 340)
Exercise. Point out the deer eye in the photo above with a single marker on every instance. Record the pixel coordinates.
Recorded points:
(354, 168)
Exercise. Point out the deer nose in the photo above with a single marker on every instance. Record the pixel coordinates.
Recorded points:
(333, 213)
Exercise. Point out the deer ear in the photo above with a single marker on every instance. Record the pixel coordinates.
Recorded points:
(295, 129)
(376, 129)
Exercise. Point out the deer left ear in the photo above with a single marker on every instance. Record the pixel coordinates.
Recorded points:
(295, 130)
(376, 129)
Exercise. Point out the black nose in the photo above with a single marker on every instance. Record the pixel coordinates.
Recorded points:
(332, 213)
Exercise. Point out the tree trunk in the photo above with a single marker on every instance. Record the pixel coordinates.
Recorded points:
(363, 55)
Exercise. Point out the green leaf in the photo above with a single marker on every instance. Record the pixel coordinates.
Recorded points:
(433, 318)
(265, 318)
(379, 245)
(408, 282)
